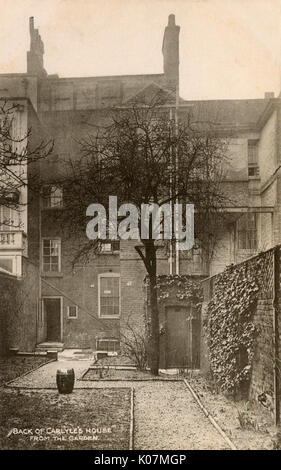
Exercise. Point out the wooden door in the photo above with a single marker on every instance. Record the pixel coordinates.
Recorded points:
(177, 337)
(183, 337)
(52, 310)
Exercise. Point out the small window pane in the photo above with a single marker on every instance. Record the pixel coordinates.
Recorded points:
(52, 196)
(110, 246)
(6, 264)
(115, 245)
(106, 247)
(72, 311)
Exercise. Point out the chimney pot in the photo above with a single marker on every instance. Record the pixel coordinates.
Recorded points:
(31, 22)
(171, 20)
(268, 95)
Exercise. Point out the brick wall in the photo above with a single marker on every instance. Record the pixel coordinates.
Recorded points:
(262, 371)
(262, 377)
(8, 301)
(60, 94)
(78, 285)
(18, 310)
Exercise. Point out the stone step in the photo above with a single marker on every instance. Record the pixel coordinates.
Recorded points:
(49, 346)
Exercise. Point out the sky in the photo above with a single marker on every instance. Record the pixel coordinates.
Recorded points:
(228, 48)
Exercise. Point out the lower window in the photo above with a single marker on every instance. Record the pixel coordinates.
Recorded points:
(108, 345)
(109, 295)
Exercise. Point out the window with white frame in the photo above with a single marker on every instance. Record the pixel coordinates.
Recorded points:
(109, 295)
(51, 256)
(52, 197)
(253, 165)
(72, 311)
(247, 231)
(9, 219)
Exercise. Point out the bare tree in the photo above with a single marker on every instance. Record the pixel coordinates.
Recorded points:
(143, 155)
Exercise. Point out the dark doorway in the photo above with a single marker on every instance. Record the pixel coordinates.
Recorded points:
(182, 337)
(52, 311)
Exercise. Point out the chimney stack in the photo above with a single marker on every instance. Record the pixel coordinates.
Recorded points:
(268, 95)
(170, 50)
(35, 64)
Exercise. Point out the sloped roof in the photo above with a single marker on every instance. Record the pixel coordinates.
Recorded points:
(151, 92)
(228, 113)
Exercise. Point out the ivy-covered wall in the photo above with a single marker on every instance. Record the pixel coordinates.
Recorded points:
(238, 322)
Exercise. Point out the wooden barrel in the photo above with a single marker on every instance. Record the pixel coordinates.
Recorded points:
(65, 380)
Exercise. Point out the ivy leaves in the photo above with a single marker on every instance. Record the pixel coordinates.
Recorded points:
(185, 288)
(230, 327)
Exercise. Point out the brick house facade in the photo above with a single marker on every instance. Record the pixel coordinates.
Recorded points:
(86, 306)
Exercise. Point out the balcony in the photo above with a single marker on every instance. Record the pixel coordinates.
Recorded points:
(12, 240)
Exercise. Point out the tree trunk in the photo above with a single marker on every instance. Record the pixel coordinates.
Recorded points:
(154, 327)
(149, 259)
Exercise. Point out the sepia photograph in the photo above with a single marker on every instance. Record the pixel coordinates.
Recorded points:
(140, 227)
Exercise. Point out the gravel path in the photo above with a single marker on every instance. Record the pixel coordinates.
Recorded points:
(166, 415)
(45, 377)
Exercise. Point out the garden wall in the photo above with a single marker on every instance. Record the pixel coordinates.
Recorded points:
(247, 294)
(8, 299)
(18, 310)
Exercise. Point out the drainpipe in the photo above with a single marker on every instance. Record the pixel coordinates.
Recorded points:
(276, 293)
(177, 169)
(39, 312)
(171, 206)
(276, 366)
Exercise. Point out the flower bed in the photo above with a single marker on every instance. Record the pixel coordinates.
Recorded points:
(12, 367)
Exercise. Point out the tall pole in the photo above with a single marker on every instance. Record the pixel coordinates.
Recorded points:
(276, 362)
(177, 169)
(171, 203)
(40, 306)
